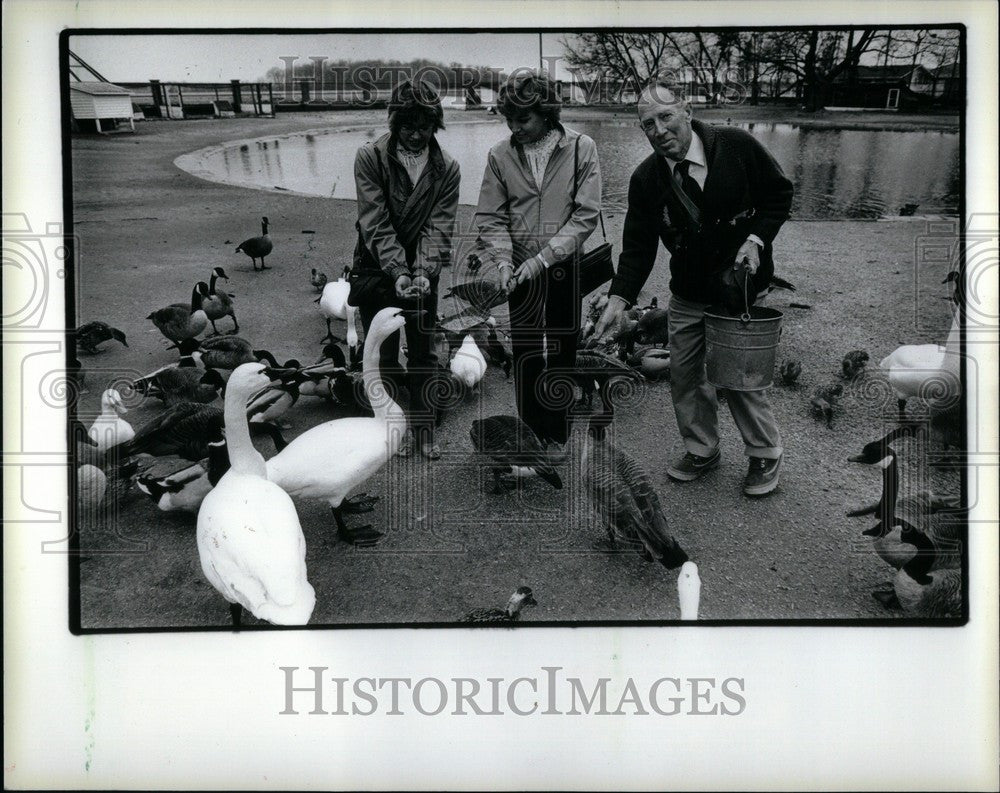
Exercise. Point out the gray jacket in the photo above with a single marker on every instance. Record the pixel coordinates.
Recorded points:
(516, 220)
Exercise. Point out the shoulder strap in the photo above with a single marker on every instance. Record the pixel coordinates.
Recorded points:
(576, 164)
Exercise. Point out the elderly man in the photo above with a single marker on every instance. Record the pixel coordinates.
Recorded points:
(716, 199)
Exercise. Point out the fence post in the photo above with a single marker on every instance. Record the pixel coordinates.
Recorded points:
(260, 100)
(180, 99)
(237, 97)
(270, 99)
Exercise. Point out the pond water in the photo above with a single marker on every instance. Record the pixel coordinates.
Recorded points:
(837, 173)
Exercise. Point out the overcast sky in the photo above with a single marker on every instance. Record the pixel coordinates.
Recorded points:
(224, 57)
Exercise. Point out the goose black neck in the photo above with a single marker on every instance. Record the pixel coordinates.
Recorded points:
(890, 491)
(919, 566)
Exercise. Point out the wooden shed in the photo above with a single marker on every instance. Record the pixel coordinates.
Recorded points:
(93, 98)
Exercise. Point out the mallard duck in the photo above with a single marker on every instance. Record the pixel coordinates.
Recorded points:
(853, 364)
(318, 280)
(250, 542)
(483, 295)
(216, 304)
(182, 383)
(109, 428)
(788, 373)
(511, 613)
(333, 302)
(178, 485)
(929, 371)
(468, 364)
(775, 283)
(269, 405)
(824, 400)
(689, 591)
(623, 498)
(513, 448)
(328, 461)
(91, 334)
(179, 321)
(258, 247)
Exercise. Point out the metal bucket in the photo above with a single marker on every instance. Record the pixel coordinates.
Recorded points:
(740, 351)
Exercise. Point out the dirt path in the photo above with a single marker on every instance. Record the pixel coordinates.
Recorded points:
(147, 231)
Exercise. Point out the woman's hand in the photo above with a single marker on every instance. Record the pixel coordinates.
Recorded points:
(529, 269)
(422, 285)
(507, 282)
(404, 284)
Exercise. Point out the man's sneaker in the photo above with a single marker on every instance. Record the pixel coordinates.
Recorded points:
(762, 476)
(691, 466)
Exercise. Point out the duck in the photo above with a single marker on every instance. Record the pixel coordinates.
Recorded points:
(623, 498)
(930, 371)
(468, 365)
(258, 247)
(223, 352)
(333, 302)
(89, 335)
(330, 460)
(481, 294)
(179, 321)
(318, 280)
(216, 304)
(924, 589)
(250, 542)
(853, 364)
(652, 362)
(689, 591)
(182, 383)
(109, 428)
(178, 485)
(513, 448)
(271, 404)
(182, 429)
(522, 596)
(824, 400)
(788, 373)
(652, 327)
(775, 283)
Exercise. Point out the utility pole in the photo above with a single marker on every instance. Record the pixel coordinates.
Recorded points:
(540, 61)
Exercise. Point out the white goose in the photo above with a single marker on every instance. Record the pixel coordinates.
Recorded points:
(249, 539)
(109, 428)
(333, 302)
(930, 371)
(331, 459)
(468, 364)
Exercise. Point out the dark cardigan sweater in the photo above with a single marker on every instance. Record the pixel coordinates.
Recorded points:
(745, 193)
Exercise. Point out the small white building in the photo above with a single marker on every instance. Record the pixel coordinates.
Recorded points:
(93, 98)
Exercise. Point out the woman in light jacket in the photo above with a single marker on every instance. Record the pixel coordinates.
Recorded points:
(407, 201)
(535, 212)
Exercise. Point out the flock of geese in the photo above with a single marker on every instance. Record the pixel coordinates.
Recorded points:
(198, 458)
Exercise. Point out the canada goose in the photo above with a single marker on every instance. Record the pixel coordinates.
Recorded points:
(183, 430)
(176, 384)
(257, 247)
(223, 352)
(788, 373)
(468, 364)
(178, 485)
(177, 321)
(689, 591)
(511, 613)
(219, 304)
(513, 449)
(930, 371)
(495, 350)
(91, 334)
(853, 364)
(250, 542)
(483, 295)
(331, 459)
(824, 400)
(318, 280)
(921, 588)
(622, 495)
(333, 302)
(109, 428)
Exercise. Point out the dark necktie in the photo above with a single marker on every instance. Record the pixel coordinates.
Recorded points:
(688, 183)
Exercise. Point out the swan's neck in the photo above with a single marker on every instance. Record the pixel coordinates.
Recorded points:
(352, 328)
(378, 396)
(243, 458)
(890, 489)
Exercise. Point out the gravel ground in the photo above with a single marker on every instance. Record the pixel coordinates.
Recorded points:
(147, 231)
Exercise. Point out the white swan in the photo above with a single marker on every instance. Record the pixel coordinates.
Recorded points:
(930, 371)
(333, 302)
(468, 364)
(249, 539)
(331, 459)
(109, 428)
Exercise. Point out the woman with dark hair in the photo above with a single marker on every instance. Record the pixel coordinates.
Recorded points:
(539, 203)
(407, 189)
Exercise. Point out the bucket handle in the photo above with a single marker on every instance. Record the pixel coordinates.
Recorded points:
(745, 316)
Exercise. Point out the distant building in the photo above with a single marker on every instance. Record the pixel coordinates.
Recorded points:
(887, 87)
